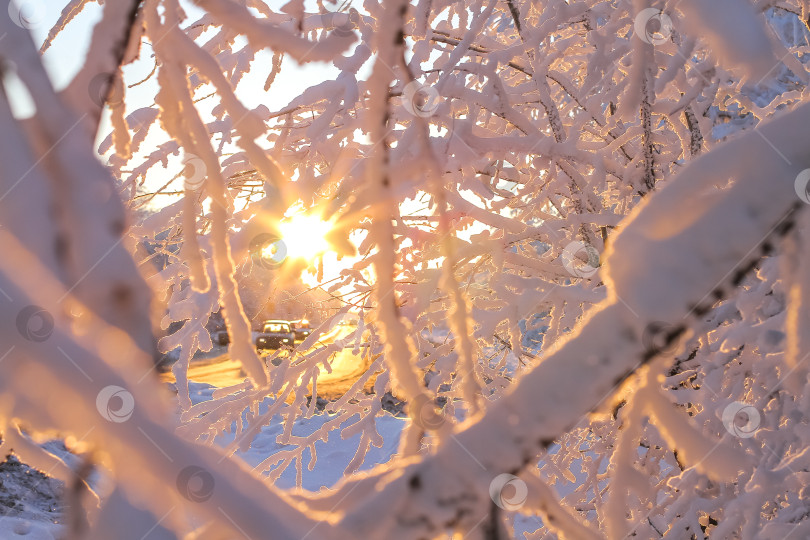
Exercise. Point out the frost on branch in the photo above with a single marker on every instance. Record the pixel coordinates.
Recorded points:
(533, 201)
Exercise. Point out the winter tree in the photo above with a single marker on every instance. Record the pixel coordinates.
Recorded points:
(568, 238)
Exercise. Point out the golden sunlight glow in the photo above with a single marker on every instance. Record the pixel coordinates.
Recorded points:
(304, 236)
(310, 248)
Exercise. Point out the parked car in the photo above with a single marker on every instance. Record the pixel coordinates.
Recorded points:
(301, 329)
(274, 335)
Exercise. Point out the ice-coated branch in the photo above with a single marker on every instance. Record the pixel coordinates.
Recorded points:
(263, 33)
(88, 251)
(241, 345)
(111, 44)
(399, 351)
(692, 255)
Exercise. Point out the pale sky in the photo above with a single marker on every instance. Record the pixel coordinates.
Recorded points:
(67, 53)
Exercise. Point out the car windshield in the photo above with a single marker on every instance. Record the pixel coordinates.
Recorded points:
(277, 328)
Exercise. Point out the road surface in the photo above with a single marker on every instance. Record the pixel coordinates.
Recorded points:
(217, 368)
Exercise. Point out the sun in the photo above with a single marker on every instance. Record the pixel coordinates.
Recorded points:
(306, 246)
(305, 236)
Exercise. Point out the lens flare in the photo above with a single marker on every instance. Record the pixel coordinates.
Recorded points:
(305, 236)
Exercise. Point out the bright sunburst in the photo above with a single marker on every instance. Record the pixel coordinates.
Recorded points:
(304, 236)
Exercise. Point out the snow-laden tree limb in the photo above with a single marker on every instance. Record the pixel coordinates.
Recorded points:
(140, 448)
(116, 35)
(86, 250)
(674, 257)
(469, 201)
(263, 33)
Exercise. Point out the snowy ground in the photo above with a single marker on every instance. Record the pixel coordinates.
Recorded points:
(29, 501)
(333, 457)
